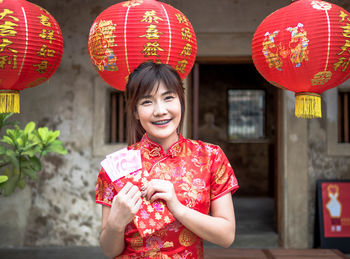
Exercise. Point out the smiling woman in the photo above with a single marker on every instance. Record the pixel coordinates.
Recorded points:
(143, 84)
(193, 178)
(159, 114)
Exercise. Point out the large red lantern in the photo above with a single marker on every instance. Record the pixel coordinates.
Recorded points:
(305, 48)
(129, 33)
(31, 49)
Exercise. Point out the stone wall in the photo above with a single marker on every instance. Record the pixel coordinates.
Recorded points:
(60, 208)
(322, 165)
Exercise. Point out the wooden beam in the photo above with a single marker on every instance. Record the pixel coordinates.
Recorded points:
(346, 117)
(224, 60)
(121, 119)
(113, 118)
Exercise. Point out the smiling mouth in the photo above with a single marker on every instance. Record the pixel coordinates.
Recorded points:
(163, 122)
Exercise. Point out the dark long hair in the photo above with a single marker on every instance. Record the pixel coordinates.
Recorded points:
(141, 82)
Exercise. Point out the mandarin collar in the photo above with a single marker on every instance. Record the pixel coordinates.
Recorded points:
(156, 150)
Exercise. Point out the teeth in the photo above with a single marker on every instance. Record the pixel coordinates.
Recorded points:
(161, 122)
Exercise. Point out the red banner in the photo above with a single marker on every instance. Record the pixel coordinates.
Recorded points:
(336, 209)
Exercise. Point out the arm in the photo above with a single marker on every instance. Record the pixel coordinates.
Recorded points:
(114, 220)
(218, 228)
(111, 240)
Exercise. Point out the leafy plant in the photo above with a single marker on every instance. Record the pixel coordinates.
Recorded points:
(21, 152)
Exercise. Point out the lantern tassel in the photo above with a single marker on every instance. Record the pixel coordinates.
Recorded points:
(9, 101)
(308, 105)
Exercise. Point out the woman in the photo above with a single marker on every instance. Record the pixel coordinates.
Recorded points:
(192, 177)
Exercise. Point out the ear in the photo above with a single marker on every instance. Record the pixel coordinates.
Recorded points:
(136, 115)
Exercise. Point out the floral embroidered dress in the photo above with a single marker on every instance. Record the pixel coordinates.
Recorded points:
(200, 173)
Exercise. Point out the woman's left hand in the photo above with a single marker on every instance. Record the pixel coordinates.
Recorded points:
(161, 189)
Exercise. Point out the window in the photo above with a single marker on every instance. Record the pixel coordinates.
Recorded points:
(337, 99)
(246, 114)
(117, 118)
(343, 117)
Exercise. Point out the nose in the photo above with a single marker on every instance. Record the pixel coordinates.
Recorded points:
(159, 109)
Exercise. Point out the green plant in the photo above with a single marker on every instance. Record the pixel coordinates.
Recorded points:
(21, 151)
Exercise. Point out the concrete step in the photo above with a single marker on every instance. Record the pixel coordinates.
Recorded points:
(52, 253)
(257, 240)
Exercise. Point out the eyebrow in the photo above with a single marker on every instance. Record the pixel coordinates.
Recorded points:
(165, 93)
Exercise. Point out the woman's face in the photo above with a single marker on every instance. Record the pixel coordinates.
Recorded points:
(160, 114)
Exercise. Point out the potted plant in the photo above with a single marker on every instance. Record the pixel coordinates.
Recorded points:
(21, 151)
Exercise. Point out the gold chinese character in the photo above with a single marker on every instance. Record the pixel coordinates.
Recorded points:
(186, 34)
(45, 11)
(346, 29)
(42, 67)
(150, 17)
(342, 62)
(181, 65)
(6, 59)
(47, 35)
(152, 33)
(7, 29)
(36, 82)
(343, 15)
(43, 52)
(44, 20)
(150, 49)
(3, 61)
(6, 12)
(181, 18)
(5, 43)
(13, 62)
(187, 50)
(344, 48)
(321, 78)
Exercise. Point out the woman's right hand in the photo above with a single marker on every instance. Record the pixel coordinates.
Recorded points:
(124, 206)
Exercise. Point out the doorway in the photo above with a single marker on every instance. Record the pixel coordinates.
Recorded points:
(235, 108)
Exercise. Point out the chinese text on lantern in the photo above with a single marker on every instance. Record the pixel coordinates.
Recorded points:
(8, 24)
(151, 47)
(343, 62)
(45, 51)
(187, 49)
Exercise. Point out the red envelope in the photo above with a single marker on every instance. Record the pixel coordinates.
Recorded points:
(151, 216)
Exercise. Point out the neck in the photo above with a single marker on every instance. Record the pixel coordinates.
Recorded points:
(166, 143)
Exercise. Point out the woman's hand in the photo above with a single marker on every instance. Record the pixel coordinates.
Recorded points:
(124, 207)
(162, 189)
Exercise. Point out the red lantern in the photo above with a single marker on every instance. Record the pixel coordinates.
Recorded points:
(305, 48)
(129, 33)
(31, 48)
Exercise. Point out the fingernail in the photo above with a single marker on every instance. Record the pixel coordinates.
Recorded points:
(143, 188)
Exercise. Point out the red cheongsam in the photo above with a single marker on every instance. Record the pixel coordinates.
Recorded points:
(200, 173)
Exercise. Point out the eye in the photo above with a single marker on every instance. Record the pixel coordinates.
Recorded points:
(145, 102)
(169, 97)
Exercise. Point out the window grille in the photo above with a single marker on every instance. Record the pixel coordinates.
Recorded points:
(117, 118)
(246, 114)
(343, 117)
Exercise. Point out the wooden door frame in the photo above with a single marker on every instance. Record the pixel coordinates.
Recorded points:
(193, 121)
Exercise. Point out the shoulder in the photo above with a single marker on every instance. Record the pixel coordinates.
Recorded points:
(136, 146)
(202, 147)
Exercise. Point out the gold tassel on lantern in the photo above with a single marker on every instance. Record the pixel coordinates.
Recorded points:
(308, 105)
(9, 101)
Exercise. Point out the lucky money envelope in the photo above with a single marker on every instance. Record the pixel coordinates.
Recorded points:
(125, 166)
